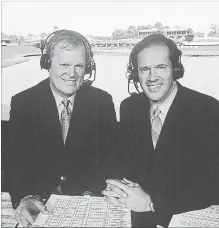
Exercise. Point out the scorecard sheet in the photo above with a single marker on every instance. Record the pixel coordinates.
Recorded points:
(82, 211)
(208, 217)
(7, 212)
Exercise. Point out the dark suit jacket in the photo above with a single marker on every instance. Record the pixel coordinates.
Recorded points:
(181, 174)
(38, 157)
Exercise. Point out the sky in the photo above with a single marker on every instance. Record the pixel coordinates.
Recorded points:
(102, 18)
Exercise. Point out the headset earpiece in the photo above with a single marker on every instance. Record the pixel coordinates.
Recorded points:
(131, 74)
(45, 62)
(178, 69)
(88, 66)
(134, 76)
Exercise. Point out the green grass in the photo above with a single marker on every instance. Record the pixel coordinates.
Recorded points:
(12, 51)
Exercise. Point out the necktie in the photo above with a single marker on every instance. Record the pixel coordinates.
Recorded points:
(65, 118)
(156, 126)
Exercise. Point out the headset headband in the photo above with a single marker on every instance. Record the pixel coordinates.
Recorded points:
(85, 42)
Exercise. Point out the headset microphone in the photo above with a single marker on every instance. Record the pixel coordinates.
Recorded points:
(91, 72)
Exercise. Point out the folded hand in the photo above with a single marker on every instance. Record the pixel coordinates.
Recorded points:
(127, 194)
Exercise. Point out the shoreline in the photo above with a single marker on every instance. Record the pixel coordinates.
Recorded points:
(12, 55)
(12, 52)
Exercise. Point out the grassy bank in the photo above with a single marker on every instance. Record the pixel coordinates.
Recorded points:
(13, 61)
(10, 52)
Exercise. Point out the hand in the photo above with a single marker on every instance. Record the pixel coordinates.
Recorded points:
(28, 210)
(114, 191)
(137, 199)
(88, 193)
(112, 194)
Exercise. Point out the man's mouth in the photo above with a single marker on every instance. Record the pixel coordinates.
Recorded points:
(154, 88)
(70, 82)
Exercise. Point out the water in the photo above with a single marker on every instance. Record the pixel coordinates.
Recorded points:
(201, 74)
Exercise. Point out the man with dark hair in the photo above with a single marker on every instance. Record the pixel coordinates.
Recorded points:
(62, 131)
(170, 139)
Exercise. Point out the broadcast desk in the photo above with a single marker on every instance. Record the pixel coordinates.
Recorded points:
(208, 217)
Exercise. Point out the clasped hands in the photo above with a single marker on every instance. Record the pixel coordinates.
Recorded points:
(122, 193)
(126, 194)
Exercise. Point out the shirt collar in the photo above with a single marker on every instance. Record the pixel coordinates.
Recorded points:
(59, 99)
(165, 106)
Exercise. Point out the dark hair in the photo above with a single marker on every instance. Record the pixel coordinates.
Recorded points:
(155, 39)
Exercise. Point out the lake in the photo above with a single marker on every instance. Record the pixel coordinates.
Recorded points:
(201, 74)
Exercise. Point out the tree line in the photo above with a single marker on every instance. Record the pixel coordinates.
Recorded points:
(130, 33)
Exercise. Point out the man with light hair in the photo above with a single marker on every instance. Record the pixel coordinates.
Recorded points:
(62, 131)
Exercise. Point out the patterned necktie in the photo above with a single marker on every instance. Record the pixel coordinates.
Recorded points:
(156, 126)
(65, 118)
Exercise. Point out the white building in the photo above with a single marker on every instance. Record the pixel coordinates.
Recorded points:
(176, 32)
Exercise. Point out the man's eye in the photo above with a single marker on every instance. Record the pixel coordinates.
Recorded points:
(161, 67)
(64, 64)
(80, 66)
(144, 69)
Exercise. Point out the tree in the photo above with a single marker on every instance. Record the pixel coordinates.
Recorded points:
(4, 35)
(142, 27)
(30, 35)
(214, 31)
(211, 34)
(149, 26)
(14, 38)
(132, 31)
(159, 26)
(132, 28)
(119, 34)
(190, 31)
(166, 27)
(21, 39)
(43, 35)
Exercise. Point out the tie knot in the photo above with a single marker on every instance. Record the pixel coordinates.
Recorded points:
(156, 112)
(66, 102)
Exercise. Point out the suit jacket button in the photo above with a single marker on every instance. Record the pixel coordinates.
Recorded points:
(63, 178)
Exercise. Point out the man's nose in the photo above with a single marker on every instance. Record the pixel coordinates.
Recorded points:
(71, 71)
(153, 76)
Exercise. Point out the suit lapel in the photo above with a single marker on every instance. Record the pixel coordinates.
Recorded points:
(170, 128)
(83, 107)
(50, 116)
(144, 118)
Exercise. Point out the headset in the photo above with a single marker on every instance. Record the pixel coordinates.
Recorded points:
(175, 58)
(45, 61)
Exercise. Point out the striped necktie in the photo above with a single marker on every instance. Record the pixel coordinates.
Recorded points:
(65, 118)
(156, 126)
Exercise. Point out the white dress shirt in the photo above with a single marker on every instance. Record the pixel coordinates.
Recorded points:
(165, 106)
(59, 100)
